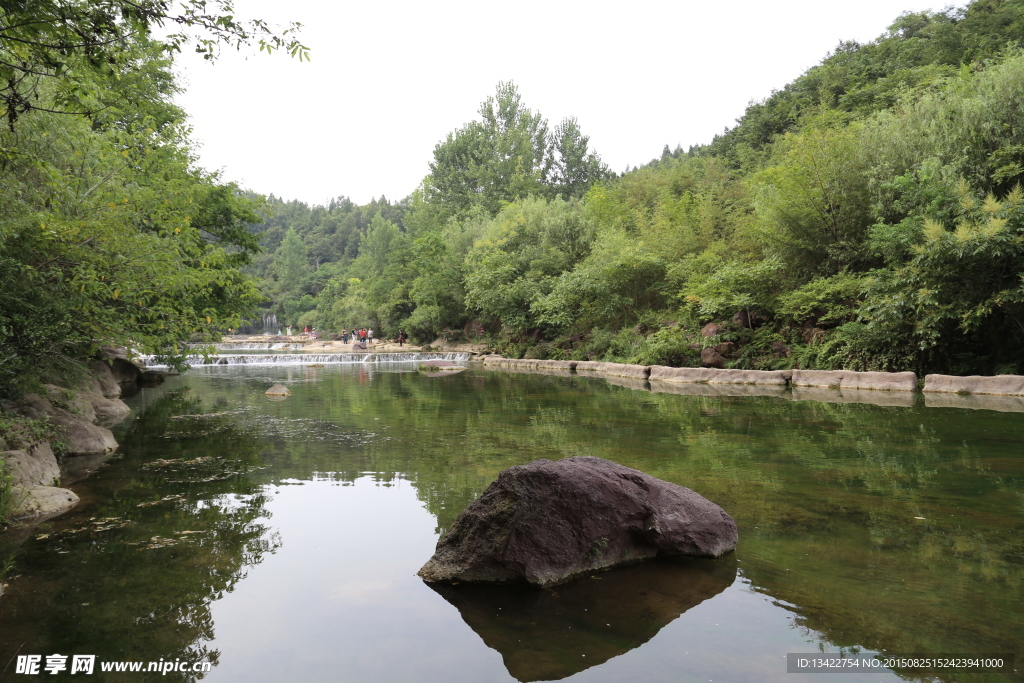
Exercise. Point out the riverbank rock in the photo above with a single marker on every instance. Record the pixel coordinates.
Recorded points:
(40, 501)
(125, 372)
(711, 358)
(152, 378)
(109, 411)
(549, 521)
(278, 390)
(35, 474)
(711, 330)
(33, 466)
(79, 437)
(91, 406)
(104, 382)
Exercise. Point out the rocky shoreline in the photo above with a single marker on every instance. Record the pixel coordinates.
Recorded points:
(81, 416)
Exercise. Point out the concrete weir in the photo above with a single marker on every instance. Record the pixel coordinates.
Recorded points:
(998, 385)
(849, 379)
(543, 367)
(895, 389)
(663, 373)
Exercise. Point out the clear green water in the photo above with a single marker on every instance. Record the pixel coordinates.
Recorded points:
(314, 512)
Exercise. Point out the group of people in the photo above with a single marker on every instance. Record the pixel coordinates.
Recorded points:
(362, 335)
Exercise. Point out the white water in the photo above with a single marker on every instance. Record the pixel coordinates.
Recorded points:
(250, 346)
(316, 359)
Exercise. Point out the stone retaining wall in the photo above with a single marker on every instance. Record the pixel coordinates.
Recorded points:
(999, 385)
(545, 367)
(848, 379)
(623, 370)
(585, 366)
(848, 383)
(610, 369)
(715, 376)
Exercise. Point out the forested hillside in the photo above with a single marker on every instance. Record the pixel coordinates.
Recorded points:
(866, 216)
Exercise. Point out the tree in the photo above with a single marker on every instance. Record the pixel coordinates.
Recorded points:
(961, 286)
(109, 234)
(508, 155)
(574, 167)
(520, 254)
(814, 202)
(54, 53)
(290, 263)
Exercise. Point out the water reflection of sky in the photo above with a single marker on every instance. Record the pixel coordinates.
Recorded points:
(339, 600)
(297, 527)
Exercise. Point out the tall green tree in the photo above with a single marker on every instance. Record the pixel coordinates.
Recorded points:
(574, 168)
(290, 263)
(509, 154)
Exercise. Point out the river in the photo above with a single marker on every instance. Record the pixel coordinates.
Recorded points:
(278, 540)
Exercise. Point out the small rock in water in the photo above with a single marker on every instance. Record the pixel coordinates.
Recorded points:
(549, 521)
(437, 368)
(278, 390)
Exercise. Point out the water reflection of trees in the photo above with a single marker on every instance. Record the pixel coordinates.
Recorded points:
(826, 495)
(133, 574)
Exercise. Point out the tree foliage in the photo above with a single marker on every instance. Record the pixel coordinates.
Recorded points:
(510, 154)
(865, 216)
(64, 55)
(109, 233)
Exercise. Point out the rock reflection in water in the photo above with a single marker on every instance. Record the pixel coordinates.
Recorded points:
(549, 634)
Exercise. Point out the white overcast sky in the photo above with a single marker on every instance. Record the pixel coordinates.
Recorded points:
(389, 79)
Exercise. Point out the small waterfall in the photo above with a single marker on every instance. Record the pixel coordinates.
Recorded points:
(249, 346)
(321, 358)
(270, 321)
(265, 324)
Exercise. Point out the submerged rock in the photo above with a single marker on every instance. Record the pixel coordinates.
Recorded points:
(548, 521)
(439, 368)
(278, 390)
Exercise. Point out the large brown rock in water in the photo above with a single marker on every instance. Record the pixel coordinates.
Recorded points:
(549, 521)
